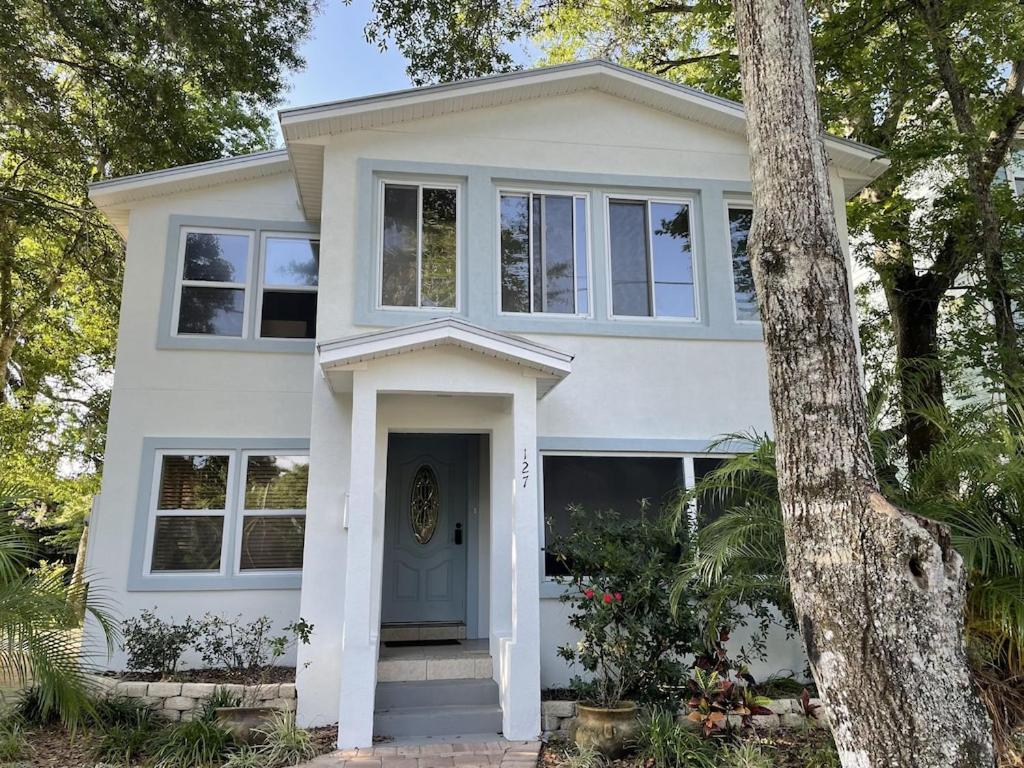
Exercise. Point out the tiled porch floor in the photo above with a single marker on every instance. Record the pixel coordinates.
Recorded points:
(436, 753)
(468, 659)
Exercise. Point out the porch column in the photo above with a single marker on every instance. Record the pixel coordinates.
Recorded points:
(521, 655)
(358, 649)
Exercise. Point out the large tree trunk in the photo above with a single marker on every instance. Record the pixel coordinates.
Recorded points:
(878, 593)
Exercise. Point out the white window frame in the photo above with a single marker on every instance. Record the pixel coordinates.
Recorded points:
(180, 282)
(240, 512)
(261, 286)
(744, 205)
(528, 192)
(154, 513)
(419, 183)
(689, 202)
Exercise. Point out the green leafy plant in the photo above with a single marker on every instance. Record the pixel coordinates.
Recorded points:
(621, 572)
(585, 756)
(13, 743)
(284, 743)
(126, 739)
(220, 698)
(246, 648)
(192, 744)
(119, 710)
(745, 755)
(155, 645)
(714, 698)
(246, 757)
(819, 756)
(666, 743)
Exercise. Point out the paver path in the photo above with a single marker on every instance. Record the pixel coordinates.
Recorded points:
(471, 754)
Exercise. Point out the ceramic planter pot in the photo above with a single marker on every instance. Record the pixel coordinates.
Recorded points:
(609, 730)
(242, 722)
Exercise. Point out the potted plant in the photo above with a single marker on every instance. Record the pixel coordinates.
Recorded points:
(619, 575)
(248, 650)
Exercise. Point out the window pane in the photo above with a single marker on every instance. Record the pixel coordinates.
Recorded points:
(673, 260)
(537, 245)
(558, 254)
(627, 225)
(212, 311)
(582, 284)
(1019, 183)
(515, 253)
(439, 234)
(216, 258)
(743, 278)
(291, 261)
(187, 543)
(288, 315)
(276, 482)
(398, 269)
(193, 482)
(272, 542)
(601, 483)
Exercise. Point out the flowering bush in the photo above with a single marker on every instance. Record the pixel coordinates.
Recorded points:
(621, 572)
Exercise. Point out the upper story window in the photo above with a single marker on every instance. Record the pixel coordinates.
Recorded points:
(220, 278)
(1018, 185)
(742, 277)
(651, 248)
(194, 503)
(544, 253)
(419, 246)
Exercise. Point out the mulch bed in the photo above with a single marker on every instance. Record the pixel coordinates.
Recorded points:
(220, 676)
(53, 746)
(786, 746)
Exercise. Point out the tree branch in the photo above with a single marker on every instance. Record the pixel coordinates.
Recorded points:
(667, 65)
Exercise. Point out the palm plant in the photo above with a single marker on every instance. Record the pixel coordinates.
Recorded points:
(40, 619)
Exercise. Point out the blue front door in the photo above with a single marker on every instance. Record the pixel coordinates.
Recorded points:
(425, 528)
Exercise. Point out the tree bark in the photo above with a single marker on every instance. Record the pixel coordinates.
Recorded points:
(878, 593)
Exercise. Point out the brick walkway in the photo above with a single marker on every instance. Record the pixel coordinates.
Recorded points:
(476, 754)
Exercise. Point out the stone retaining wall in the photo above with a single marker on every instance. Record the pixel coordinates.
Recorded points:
(786, 713)
(178, 701)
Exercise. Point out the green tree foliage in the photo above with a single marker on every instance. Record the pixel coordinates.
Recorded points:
(88, 90)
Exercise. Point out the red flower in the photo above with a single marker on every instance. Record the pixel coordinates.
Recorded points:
(618, 597)
(589, 593)
(607, 598)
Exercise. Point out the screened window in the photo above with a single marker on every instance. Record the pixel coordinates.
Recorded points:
(291, 268)
(419, 246)
(191, 505)
(651, 259)
(742, 276)
(273, 518)
(625, 484)
(214, 275)
(544, 253)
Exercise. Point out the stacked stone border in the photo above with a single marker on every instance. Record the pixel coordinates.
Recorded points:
(180, 701)
(786, 713)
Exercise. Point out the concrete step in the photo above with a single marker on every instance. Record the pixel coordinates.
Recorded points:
(406, 722)
(432, 631)
(469, 660)
(430, 693)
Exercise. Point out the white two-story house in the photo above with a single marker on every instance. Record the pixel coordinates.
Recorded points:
(355, 375)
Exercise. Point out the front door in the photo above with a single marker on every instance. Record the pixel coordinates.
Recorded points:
(425, 528)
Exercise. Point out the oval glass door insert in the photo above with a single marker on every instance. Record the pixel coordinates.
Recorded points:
(424, 504)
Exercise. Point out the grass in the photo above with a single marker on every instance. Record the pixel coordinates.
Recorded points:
(284, 743)
(13, 744)
(193, 744)
(669, 744)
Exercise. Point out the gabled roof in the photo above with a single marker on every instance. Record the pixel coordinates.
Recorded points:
(304, 128)
(551, 365)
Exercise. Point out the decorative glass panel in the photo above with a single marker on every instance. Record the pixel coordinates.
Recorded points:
(193, 482)
(272, 542)
(276, 482)
(216, 258)
(424, 504)
(673, 260)
(627, 225)
(743, 277)
(187, 543)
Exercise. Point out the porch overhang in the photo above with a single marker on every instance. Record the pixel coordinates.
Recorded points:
(340, 357)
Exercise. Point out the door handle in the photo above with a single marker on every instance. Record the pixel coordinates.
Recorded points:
(458, 533)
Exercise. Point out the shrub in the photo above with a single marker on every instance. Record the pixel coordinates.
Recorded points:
(125, 741)
(284, 743)
(191, 744)
(246, 648)
(632, 642)
(119, 710)
(745, 756)
(668, 744)
(155, 645)
(12, 741)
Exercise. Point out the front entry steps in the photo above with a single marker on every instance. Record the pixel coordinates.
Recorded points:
(406, 710)
(469, 660)
(442, 630)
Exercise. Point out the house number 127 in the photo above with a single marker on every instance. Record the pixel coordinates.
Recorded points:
(526, 469)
